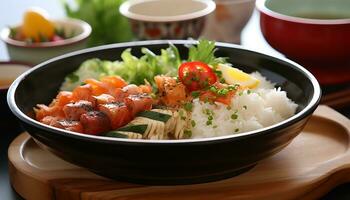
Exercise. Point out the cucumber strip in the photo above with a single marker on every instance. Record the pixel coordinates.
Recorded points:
(122, 134)
(139, 128)
(116, 134)
(155, 115)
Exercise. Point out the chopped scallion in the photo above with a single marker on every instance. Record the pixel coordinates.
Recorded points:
(195, 94)
(193, 123)
(234, 116)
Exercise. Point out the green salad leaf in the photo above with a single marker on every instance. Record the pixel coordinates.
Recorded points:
(108, 25)
(204, 51)
(132, 69)
(136, 70)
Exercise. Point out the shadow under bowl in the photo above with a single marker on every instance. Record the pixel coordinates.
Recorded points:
(165, 162)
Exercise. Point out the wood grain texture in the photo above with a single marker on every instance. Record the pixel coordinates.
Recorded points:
(316, 161)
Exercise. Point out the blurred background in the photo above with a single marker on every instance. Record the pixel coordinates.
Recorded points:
(12, 14)
(233, 21)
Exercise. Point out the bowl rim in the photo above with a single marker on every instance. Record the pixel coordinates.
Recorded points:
(308, 110)
(5, 33)
(262, 8)
(25, 65)
(124, 10)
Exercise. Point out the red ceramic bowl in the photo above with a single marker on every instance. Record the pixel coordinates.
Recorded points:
(315, 34)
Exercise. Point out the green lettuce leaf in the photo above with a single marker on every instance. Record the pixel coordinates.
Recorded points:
(136, 70)
(204, 52)
(108, 25)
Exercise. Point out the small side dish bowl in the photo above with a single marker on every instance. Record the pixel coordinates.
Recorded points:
(38, 52)
(165, 161)
(314, 33)
(167, 19)
(9, 71)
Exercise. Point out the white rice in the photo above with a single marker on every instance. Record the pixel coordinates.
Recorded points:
(258, 108)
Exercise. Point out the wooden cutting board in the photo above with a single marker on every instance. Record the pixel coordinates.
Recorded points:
(315, 162)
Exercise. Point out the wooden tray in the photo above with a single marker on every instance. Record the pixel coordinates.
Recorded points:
(316, 161)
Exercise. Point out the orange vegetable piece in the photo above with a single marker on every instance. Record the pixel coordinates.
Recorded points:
(36, 25)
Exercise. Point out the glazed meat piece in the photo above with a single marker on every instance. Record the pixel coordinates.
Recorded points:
(117, 112)
(95, 122)
(42, 111)
(171, 92)
(139, 102)
(69, 125)
(84, 92)
(73, 111)
(104, 98)
(132, 89)
(50, 120)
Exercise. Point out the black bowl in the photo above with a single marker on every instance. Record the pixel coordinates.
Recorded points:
(168, 161)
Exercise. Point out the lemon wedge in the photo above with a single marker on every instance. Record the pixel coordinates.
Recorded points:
(235, 76)
(36, 25)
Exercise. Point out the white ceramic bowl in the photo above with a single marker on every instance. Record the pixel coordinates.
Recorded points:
(228, 20)
(39, 52)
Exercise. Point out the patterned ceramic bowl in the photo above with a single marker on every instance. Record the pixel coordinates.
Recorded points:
(167, 19)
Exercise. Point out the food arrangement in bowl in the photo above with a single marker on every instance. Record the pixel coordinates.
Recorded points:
(151, 112)
(203, 96)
